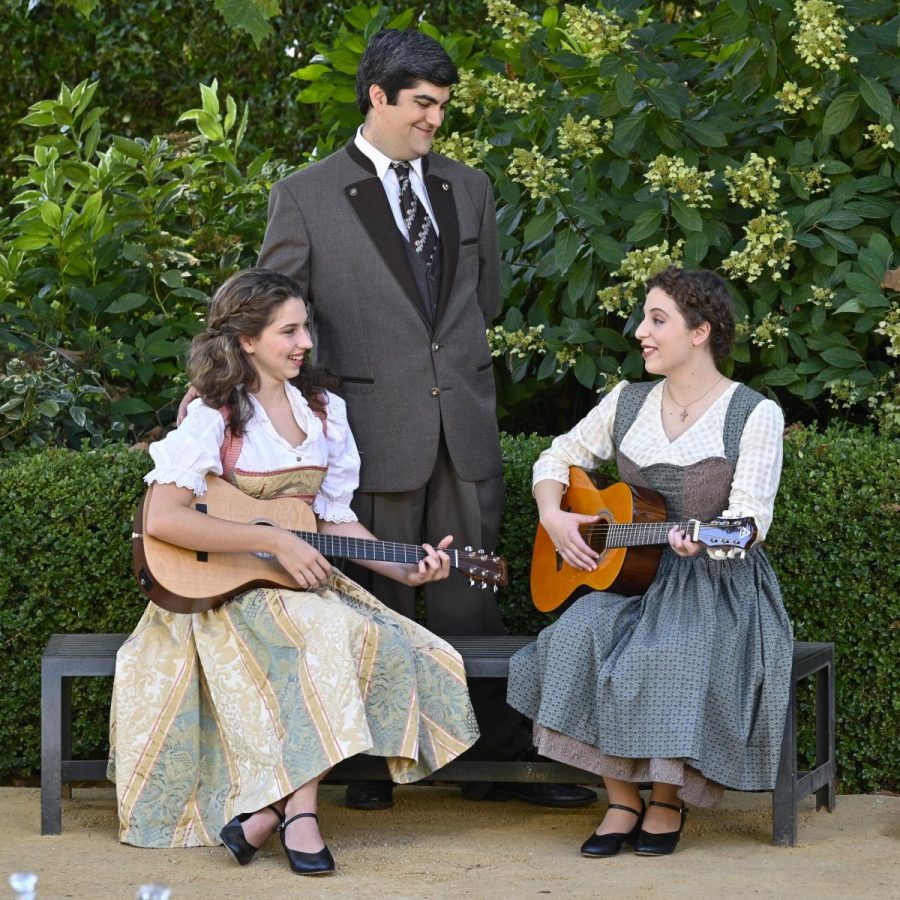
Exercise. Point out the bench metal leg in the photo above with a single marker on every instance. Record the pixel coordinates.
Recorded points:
(785, 802)
(825, 795)
(51, 750)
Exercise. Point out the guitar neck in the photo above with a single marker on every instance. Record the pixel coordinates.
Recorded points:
(365, 548)
(642, 534)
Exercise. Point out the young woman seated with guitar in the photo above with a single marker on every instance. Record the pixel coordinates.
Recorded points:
(238, 712)
(685, 685)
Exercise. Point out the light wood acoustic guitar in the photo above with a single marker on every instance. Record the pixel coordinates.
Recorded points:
(629, 537)
(190, 581)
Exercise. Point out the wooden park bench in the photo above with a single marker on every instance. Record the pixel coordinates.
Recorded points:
(69, 656)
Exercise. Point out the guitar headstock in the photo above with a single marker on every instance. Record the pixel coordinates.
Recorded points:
(486, 568)
(728, 533)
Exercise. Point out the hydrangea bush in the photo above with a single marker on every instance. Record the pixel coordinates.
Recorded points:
(754, 138)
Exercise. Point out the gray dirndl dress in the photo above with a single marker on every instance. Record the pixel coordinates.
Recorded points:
(687, 684)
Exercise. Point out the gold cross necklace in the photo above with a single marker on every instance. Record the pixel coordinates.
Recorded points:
(684, 406)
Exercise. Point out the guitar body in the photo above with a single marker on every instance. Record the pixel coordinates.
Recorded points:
(192, 581)
(622, 570)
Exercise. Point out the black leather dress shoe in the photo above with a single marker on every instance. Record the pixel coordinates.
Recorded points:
(319, 863)
(649, 844)
(602, 845)
(564, 796)
(369, 795)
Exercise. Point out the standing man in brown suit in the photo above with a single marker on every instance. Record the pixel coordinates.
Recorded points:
(396, 250)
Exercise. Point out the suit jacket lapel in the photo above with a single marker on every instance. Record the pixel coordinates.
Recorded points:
(440, 195)
(370, 203)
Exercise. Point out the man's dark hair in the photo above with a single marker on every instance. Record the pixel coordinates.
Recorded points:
(396, 60)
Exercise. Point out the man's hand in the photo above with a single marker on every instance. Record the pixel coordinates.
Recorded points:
(185, 401)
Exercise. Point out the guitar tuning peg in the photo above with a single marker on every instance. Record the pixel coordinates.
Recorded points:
(471, 582)
(467, 549)
(481, 550)
(495, 588)
(483, 585)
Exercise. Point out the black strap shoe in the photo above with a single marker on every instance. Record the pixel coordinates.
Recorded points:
(235, 842)
(369, 795)
(649, 844)
(319, 863)
(599, 845)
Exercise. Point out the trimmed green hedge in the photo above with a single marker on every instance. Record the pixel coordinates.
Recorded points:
(65, 566)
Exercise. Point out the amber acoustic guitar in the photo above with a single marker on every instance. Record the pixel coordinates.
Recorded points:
(629, 537)
(190, 581)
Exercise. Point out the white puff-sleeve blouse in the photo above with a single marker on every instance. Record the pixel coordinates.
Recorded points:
(756, 474)
(189, 453)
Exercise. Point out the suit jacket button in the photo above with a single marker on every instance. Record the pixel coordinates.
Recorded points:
(435, 392)
(445, 186)
(354, 191)
(435, 346)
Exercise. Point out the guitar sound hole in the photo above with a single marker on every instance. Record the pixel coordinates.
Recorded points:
(597, 537)
(262, 554)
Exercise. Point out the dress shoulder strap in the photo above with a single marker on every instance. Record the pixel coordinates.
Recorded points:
(231, 446)
(743, 401)
(631, 399)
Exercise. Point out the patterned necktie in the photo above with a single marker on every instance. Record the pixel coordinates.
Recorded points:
(421, 231)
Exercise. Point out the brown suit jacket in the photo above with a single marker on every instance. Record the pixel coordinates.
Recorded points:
(331, 228)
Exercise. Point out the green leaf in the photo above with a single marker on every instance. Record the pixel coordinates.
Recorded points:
(862, 284)
(209, 96)
(686, 216)
(311, 73)
(128, 406)
(627, 131)
(881, 247)
(540, 226)
(840, 113)
(666, 101)
(129, 148)
(647, 223)
(607, 249)
(840, 219)
(250, 15)
(51, 214)
(872, 264)
(705, 134)
(781, 377)
(840, 241)
(172, 278)
(565, 249)
(842, 358)
(585, 370)
(48, 408)
(127, 302)
(625, 85)
(877, 98)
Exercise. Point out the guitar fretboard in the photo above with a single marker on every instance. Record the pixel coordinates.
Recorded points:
(365, 548)
(633, 534)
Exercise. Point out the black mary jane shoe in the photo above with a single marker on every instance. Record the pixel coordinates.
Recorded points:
(234, 840)
(319, 863)
(660, 844)
(600, 845)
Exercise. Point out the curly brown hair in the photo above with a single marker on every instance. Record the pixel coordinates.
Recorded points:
(701, 296)
(221, 371)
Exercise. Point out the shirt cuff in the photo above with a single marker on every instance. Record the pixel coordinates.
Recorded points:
(332, 511)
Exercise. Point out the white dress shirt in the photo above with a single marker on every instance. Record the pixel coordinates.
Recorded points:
(391, 183)
(187, 455)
